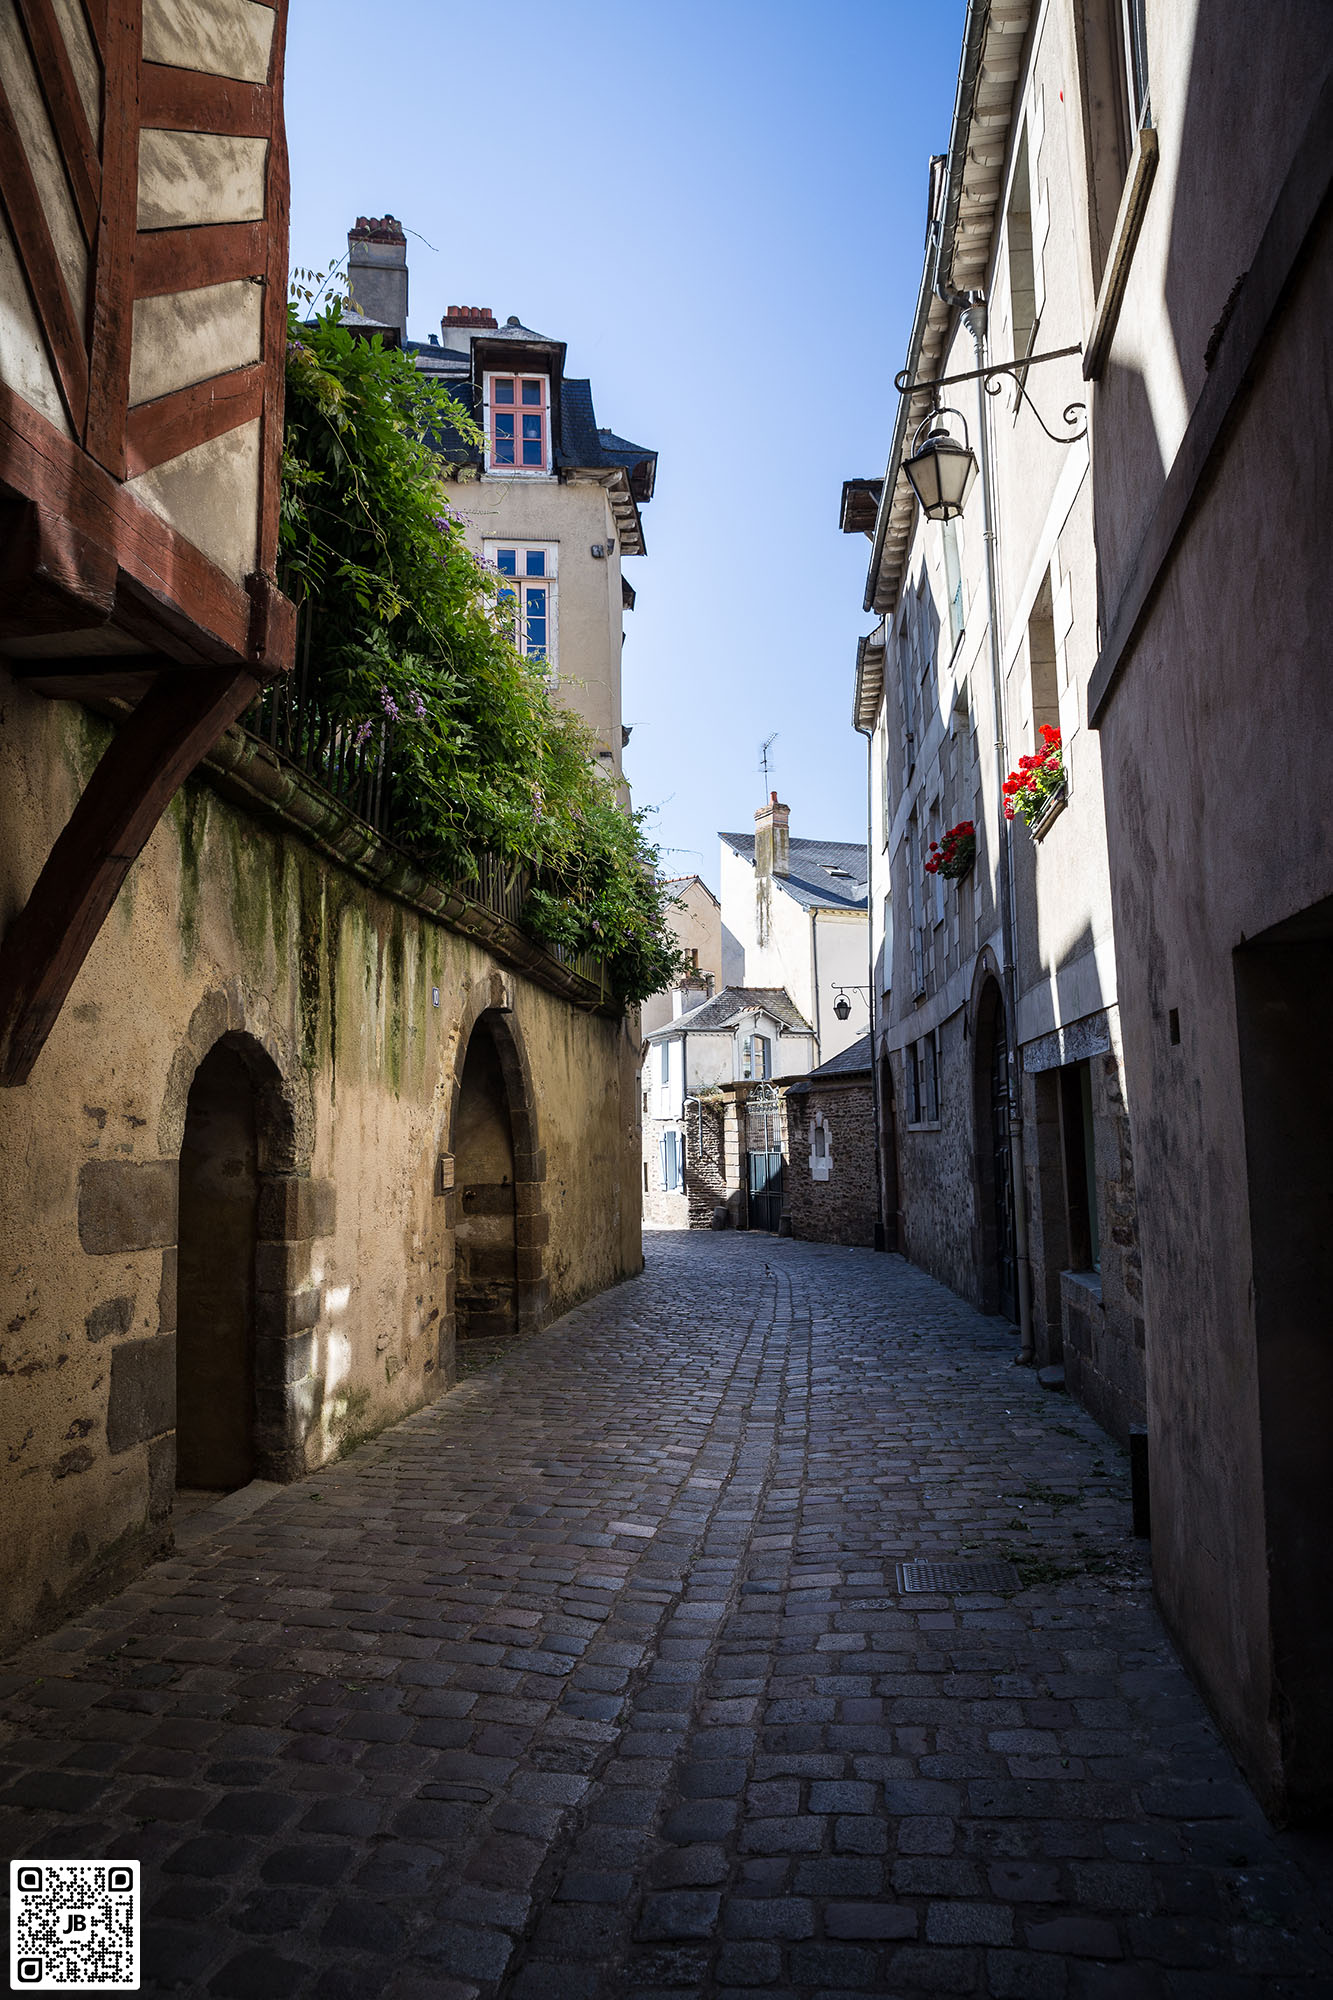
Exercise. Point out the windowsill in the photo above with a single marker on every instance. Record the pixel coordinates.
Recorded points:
(926, 1125)
(1088, 1281)
(518, 472)
(1124, 237)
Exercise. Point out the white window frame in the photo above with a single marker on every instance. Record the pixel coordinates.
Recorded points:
(490, 550)
(542, 471)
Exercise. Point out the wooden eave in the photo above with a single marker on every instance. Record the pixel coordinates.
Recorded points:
(958, 259)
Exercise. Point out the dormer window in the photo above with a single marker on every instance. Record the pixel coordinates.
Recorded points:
(518, 432)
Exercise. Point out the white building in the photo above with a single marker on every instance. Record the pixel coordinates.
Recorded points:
(700, 1071)
(795, 916)
(552, 500)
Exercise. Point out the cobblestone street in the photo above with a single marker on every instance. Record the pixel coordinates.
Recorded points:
(597, 1679)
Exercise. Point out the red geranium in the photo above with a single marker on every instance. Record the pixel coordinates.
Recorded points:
(1030, 789)
(954, 855)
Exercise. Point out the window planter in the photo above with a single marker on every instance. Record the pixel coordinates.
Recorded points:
(1036, 792)
(1051, 811)
(953, 856)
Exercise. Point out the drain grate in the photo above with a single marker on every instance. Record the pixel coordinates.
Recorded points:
(987, 1576)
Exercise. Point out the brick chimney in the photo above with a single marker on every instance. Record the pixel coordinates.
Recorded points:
(461, 322)
(772, 842)
(377, 270)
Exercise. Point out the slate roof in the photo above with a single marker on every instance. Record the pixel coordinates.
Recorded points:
(581, 446)
(728, 1006)
(855, 1061)
(810, 882)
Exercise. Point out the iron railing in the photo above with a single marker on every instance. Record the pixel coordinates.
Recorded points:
(354, 763)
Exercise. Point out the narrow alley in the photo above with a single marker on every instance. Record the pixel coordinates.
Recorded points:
(599, 1677)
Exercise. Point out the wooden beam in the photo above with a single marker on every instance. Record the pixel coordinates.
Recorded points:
(174, 726)
(277, 205)
(69, 121)
(121, 29)
(177, 422)
(190, 100)
(53, 578)
(191, 595)
(61, 325)
(208, 253)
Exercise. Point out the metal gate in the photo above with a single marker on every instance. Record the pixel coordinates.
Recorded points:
(763, 1143)
(1006, 1257)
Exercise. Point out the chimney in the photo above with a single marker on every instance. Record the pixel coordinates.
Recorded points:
(772, 842)
(461, 322)
(377, 270)
(692, 991)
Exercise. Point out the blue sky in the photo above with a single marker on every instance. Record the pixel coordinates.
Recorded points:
(721, 208)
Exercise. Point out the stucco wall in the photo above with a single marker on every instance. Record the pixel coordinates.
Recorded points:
(1221, 710)
(229, 928)
(589, 611)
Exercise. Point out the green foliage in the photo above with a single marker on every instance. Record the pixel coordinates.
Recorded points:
(410, 635)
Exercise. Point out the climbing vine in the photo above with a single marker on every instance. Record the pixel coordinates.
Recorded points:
(408, 628)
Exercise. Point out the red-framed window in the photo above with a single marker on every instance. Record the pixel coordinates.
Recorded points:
(518, 423)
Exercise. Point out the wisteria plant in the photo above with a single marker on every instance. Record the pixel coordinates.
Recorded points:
(1038, 782)
(409, 631)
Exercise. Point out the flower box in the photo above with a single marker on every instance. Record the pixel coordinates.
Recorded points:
(1036, 792)
(1041, 826)
(953, 856)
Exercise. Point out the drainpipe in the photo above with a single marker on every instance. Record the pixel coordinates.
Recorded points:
(876, 1116)
(974, 312)
(814, 974)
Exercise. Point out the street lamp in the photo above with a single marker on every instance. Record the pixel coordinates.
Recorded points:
(941, 470)
(842, 1007)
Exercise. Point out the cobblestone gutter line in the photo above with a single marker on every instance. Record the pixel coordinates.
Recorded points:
(594, 1680)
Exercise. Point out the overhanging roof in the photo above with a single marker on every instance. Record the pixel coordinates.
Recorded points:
(965, 207)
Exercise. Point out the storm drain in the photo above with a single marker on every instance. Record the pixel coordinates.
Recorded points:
(957, 1576)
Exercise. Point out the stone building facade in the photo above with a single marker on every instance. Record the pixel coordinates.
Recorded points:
(1146, 185)
(552, 499)
(306, 1118)
(1208, 361)
(832, 1169)
(1006, 1158)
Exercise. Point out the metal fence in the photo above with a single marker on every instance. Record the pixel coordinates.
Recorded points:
(353, 762)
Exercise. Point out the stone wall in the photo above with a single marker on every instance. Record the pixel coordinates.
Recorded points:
(843, 1207)
(937, 1172)
(1091, 1321)
(348, 1013)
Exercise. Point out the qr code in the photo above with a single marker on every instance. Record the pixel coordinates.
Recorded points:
(74, 1925)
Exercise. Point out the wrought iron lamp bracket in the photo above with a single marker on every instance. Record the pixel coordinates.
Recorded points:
(991, 379)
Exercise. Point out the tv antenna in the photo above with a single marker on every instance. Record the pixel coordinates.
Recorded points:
(764, 759)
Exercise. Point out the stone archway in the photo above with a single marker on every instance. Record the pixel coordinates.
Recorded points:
(253, 1108)
(235, 1372)
(496, 1172)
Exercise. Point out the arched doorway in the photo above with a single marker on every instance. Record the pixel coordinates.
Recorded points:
(888, 1133)
(995, 1169)
(215, 1297)
(485, 1230)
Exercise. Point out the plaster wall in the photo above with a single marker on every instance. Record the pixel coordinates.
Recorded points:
(589, 609)
(232, 929)
(1048, 638)
(1220, 708)
(788, 955)
(696, 924)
